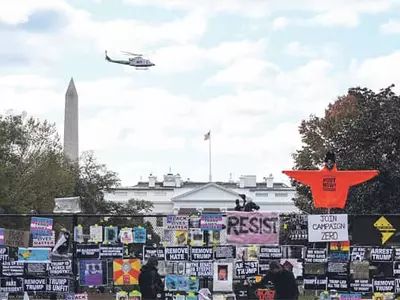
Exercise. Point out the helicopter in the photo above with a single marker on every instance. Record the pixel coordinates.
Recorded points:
(136, 61)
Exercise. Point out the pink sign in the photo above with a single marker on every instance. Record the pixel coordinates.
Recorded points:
(252, 228)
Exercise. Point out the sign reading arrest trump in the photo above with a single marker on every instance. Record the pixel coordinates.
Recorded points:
(252, 228)
(328, 228)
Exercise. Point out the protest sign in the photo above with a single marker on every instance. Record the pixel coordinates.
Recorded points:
(177, 253)
(177, 222)
(252, 228)
(328, 228)
(211, 222)
(16, 238)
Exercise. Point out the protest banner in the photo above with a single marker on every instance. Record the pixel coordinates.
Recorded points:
(328, 228)
(252, 228)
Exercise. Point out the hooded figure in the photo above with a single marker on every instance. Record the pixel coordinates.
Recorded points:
(150, 282)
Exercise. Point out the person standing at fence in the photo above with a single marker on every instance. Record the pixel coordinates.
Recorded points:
(150, 283)
(283, 280)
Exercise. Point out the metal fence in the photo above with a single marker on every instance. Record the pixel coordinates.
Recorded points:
(293, 233)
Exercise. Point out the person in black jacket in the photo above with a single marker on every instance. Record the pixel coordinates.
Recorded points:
(283, 280)
(150, 283)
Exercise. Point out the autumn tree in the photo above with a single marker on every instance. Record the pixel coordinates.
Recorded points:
(33, 169)
(363, 129)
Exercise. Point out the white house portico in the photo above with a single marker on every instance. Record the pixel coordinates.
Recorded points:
(173, 195)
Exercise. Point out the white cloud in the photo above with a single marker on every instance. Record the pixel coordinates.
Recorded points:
(297, 49)
(379, 72)
(280, 23)
(251, 71)
(391, 27)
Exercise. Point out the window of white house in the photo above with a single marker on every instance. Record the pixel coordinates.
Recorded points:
(281, 195)
(120, 193)
(261, 194)
(140, 193)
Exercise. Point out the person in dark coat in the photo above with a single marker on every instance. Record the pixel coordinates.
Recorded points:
(283, 280)
(150, 283)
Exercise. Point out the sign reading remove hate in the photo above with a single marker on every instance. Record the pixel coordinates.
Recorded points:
(252, 228)
(328, 228)
(177, 253)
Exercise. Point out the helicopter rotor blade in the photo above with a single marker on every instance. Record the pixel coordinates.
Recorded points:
(130, 53)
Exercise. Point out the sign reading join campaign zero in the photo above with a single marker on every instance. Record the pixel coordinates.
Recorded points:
(328, 228)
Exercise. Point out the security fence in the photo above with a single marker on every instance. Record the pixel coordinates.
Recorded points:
(56, 255)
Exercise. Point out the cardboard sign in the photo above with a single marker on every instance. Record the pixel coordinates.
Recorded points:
(16, 238)
(253, 228)
(328, 228)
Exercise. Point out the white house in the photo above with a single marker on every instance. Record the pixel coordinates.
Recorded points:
(173, 195)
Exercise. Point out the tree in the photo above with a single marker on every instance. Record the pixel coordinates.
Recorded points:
(363, 129)
(94, 179)
(33, 169)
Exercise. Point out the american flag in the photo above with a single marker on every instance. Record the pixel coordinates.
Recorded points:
(207, 136)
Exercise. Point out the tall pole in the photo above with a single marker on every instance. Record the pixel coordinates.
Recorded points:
(209, 158)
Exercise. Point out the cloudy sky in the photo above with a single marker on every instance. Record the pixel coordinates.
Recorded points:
(249, 70)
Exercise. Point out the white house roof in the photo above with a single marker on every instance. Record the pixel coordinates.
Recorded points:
(208, 192)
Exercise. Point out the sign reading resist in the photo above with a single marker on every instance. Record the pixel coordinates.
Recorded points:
(328, 228)
(201, 253)
(177, 253)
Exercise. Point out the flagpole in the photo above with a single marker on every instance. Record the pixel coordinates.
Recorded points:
(209, 158)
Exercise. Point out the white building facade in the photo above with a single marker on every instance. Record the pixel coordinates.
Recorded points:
(173, 195)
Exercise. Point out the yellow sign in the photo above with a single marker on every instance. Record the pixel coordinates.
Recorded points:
(385, 228)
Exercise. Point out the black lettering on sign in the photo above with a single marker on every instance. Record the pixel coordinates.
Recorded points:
(270, 252)
(329, 184)
(225, 252)
(154, 251)
(177, 253)
(242, 225)
(329, 236)
(201, 253)
(381, 254)
(245, 269)
(360, 286)
(384, 285)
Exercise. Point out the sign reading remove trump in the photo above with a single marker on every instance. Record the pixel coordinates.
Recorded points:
(252, 228)
(328, 228)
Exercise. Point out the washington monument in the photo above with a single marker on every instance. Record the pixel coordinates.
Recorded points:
(71, 127)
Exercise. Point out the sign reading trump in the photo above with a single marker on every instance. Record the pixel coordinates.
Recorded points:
(252, 228)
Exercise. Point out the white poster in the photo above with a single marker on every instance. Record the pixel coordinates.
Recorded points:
(96, 234)
(126, 236)
(222, 281)
(78, 234)
(328, 228)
